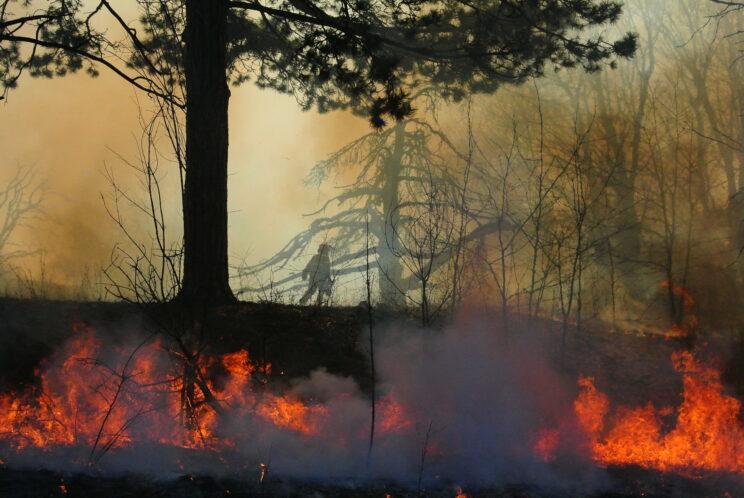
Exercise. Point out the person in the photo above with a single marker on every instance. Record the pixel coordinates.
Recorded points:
(318, 271)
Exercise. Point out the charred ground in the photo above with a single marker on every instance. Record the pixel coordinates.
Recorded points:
(33, 484)
(632, 367)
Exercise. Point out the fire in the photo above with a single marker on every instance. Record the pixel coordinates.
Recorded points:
(89, 395)
(707, 434)
(591, 407)
(546, 443)
(690, 320)
(292, 414)
(102, 398)
(238, 364)
(393, 416)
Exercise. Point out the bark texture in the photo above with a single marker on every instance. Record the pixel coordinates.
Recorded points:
(205, 278)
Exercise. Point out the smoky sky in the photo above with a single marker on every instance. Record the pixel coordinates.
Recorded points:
(70, 130)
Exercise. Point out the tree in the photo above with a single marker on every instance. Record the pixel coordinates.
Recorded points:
(20, 197)
(396, 171)
(425, 235)
(389, 166)
(331, 55)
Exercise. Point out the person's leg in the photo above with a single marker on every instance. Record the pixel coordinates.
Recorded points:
(324, 293)
(308, 293)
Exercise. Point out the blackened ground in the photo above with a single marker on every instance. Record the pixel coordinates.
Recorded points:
(629, 482)
(295, 340)
(632, 368)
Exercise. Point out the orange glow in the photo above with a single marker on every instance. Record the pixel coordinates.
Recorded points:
(591, 407)
(393, 417)
(546, 443)
(461, 494)
(707, 434)
(690, 321)
(292, 414)
(681, 291)
(90, 395)
(238, 363)
(675, 332)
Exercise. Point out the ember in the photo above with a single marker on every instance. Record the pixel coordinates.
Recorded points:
(394, 417)
(546, 444)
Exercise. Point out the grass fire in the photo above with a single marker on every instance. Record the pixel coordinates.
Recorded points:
(365, 249)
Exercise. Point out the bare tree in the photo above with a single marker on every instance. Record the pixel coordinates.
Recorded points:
(386, 163)
(146, 268)
(150, 270)
(426, 235)
(20, 199)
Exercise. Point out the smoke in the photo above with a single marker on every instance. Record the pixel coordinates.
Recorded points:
(63, 129)
(71, 129)
(463, 405)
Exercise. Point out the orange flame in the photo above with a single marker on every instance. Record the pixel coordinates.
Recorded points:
(707, 436)
(84, 399)
(292, 414)
(690, 321)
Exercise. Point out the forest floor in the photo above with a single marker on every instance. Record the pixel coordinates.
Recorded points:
(297, 340)
(629, 482)
(631, 368)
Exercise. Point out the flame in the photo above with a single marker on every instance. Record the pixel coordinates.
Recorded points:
(690, 320)
(291, 413)
(681, 291)
(393, 416)
(461, 494)
(591, 407)
(90, 395)
(238, 363)
(707, 435)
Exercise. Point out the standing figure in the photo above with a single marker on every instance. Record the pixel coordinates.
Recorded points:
(318, 270)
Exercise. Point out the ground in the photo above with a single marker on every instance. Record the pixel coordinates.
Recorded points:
(295, 340)
(38, 484)
(631, 368)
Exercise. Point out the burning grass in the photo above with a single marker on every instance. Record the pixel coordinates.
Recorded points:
(703, 435)
(103, 399)
(89, 395)
(706, 435)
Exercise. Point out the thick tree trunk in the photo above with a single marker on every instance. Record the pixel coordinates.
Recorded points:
(205, 279)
